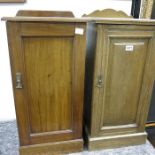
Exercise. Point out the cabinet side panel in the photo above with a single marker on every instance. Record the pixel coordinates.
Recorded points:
(89, 67)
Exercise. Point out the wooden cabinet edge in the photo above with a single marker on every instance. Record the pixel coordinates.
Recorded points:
(50, 148)
(108, 142)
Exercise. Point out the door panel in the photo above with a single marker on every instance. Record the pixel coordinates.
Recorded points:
(48, 73)
(123, 81)
(50, 58)
(118, 99)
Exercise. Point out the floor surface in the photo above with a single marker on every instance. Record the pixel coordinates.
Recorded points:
(9, 144)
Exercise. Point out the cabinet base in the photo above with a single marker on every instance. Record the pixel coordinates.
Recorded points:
(108, 142)
(52, 148)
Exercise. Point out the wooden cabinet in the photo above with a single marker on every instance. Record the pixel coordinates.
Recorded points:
(47, 62)
(47, 58)
(118, 83)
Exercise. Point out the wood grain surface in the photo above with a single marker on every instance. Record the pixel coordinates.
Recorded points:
(51, 60)
(49, 82)
(107, 13)
(119, 105)
(43, 13)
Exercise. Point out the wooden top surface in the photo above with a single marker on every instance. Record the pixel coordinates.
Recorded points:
(44, 19)
(43, 13)
(106, 16)
(128, 21)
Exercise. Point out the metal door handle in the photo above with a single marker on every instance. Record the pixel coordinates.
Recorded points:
(18, 80)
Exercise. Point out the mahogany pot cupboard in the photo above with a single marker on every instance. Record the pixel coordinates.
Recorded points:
(47, 61)
(47, 56)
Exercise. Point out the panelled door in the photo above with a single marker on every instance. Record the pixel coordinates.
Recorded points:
(122, 79)
(47, 62)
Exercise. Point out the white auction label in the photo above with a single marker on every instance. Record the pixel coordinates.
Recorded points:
(79, 31)
(129, 47)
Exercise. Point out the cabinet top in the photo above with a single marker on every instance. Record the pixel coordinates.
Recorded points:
(44, 19)
(118, 21)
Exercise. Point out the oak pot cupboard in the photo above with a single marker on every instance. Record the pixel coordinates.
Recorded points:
(47, 62)
(120, 71)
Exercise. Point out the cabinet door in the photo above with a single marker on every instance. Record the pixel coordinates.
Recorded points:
(47, 63)
(123, 79)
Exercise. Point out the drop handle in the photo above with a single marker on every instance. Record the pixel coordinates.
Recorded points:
(18, 80)
(99, 82)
